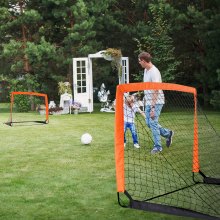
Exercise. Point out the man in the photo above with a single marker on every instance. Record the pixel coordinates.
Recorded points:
(154, 103)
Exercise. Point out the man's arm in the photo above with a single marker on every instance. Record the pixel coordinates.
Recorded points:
(154, 101)
(154, 97)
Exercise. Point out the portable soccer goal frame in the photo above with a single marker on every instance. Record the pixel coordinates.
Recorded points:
(120, 150)
(13, 94)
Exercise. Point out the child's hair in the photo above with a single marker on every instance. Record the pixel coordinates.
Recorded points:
(129, 100)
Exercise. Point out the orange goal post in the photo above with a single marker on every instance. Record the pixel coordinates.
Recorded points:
(182, 179)
(13, 94)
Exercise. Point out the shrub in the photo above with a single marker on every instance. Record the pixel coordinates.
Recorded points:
(22, 103)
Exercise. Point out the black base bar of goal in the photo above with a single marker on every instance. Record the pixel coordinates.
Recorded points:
(13, 122)
(209, 180)
(147, 206)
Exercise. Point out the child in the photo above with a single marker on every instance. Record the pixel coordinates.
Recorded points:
(130, 110)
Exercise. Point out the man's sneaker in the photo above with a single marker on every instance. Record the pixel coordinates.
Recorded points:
(156, 150)
(136, 145)
(169, 139)
(124, 144)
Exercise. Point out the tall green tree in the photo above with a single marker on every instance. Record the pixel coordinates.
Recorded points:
(158, 41)
(25, 51)
(44, 36)
(197, 28)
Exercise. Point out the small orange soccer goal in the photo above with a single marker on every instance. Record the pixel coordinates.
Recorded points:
(16, 117)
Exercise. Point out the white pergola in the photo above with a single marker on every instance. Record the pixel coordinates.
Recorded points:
(83, 78)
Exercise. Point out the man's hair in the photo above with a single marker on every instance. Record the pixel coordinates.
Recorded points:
(145, 56)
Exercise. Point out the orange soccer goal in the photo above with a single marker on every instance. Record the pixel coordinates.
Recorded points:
(24, 118)
(183, 179)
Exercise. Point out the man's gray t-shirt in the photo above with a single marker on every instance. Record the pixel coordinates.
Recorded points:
(153, 75)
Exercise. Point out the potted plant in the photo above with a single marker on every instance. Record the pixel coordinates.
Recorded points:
(64, 87)
(114, 55)
(41, 109)
(75, 107)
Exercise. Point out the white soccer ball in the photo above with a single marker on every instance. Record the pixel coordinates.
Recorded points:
(86, 138)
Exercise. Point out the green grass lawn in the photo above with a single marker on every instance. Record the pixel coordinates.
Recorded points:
(46, 173)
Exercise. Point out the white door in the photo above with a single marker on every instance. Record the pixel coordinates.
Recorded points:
(82, 91)
(125, 70)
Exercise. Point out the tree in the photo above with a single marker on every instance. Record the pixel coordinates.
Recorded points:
(45, 35)
(158, 42)
(197, 28)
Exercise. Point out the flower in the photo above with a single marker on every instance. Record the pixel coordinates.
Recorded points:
(55, 109)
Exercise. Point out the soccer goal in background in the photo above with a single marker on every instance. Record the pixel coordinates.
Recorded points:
(183, 179)
(38, 99)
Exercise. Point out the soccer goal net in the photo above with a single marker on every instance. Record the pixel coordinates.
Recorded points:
(39, 100)
(182, 179)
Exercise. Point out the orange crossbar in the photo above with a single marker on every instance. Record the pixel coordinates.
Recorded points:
(119, 123)
(31, 93)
